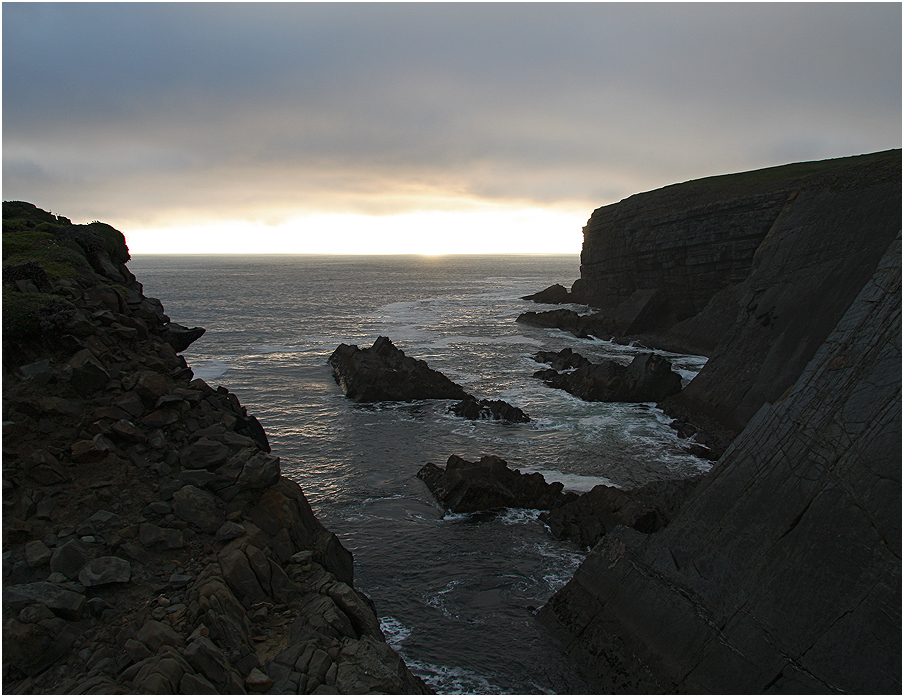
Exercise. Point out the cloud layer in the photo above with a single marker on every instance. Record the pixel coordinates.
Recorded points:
(151, 112)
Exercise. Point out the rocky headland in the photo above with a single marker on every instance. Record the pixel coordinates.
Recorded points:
(753, 270)
(150, 543)
(781, 572)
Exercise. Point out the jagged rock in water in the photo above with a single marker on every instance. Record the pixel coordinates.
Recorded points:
(648, 378)
(384, 372)
(465, 487)
(472, 408)
(557, 293)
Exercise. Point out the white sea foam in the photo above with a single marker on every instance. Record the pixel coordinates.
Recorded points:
(572, 482)
(452, 680)
(209, 370)
(396, 633)
(515, 517)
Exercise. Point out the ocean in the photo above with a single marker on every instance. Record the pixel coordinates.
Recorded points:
(456, 594)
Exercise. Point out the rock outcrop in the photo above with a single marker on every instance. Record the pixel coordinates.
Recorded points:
(465, 487)
(592, 515)
(648, 378)
(150, 543)
(782, 572)
(384, 372)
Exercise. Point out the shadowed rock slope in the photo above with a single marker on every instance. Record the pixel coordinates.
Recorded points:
(150, 544)
(782, 572)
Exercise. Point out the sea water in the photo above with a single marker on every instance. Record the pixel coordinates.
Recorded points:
(456, 594)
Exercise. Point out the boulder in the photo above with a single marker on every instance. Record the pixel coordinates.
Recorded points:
(105, 570)
(198, 508)
(648, 378)
(180, 337)
(63, 602)
(384, 372)
(465, 487)
(69, 558)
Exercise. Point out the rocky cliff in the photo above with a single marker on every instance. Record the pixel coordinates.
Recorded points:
(668, 252)
(150, 544)
(782, 572)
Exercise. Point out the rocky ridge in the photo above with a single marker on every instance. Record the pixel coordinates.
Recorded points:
(151, 544)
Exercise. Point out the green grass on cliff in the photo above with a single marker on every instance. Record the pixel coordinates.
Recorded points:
(881, 166)
(31, 234)
(39, 248)
(858, 171)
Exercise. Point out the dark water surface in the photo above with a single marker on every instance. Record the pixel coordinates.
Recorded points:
(455, 593)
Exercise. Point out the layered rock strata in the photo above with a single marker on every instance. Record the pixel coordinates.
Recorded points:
(384, 372)
(151, 544)
(782, 572)
(691, 240)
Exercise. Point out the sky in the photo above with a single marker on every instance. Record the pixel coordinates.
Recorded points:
(424, 128)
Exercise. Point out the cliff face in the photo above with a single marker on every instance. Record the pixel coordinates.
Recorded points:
(782, 573)
(150, 544)
(687, 242)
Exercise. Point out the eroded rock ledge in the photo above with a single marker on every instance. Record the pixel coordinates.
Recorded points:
(151, 544)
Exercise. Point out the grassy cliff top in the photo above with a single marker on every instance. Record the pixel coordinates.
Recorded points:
(60, 248)
(857, 171)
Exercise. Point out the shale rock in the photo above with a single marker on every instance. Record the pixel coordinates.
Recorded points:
(465, 487)
(782, 571)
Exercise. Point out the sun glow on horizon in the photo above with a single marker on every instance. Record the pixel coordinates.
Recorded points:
(500, 230)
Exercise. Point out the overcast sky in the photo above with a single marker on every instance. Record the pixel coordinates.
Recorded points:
(289, 118)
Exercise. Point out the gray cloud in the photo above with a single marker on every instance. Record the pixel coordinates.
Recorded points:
(140, 110)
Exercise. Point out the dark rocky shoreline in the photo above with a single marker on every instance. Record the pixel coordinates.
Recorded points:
(150, 543)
